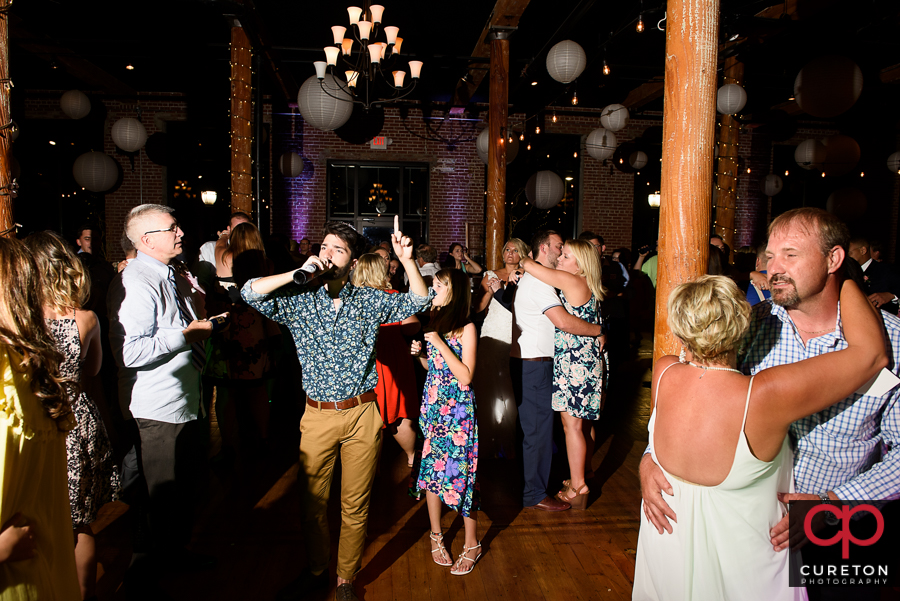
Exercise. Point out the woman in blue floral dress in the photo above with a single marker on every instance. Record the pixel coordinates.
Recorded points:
(579, 365)
(447, 417)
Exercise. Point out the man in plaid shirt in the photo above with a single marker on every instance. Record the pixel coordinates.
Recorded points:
(849, 451)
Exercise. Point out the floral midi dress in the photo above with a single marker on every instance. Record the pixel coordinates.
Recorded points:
(580, 369)
(447, 419)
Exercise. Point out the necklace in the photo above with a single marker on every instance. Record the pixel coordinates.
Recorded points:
(818, 332)
(712, 367)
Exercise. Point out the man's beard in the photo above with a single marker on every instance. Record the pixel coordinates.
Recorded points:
(337, 273)
(785, 297)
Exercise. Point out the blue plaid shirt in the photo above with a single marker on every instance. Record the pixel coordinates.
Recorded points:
(336, 347)
(849, 448)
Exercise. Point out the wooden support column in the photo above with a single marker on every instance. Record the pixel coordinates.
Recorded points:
(7, 220)
(689, 122)
(241, 116)
(495, 227)
(729, 135)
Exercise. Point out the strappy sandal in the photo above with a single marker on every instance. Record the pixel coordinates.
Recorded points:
(443, 559)
(567, 484)
(578, 501)
(459, 568)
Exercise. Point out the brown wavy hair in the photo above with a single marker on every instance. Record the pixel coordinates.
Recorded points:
(66, 284)
(452, 317)
(23, 329)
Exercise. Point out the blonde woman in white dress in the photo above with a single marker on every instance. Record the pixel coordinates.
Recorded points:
(720, 438)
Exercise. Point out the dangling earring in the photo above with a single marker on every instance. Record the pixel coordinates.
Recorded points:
(682, 356)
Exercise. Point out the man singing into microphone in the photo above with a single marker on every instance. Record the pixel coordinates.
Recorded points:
(335, 326)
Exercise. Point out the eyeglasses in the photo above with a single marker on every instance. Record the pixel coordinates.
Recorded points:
(171, 229)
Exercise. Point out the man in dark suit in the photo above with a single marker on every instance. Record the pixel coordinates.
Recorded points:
(882, 284)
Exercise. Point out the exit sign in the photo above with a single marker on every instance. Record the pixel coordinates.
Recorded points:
(380, 142)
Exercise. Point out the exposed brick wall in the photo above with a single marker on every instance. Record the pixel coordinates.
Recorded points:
(156, 112)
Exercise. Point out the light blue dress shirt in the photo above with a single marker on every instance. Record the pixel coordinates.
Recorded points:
(156, 378)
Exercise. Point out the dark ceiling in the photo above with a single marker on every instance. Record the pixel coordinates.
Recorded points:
(182, 46)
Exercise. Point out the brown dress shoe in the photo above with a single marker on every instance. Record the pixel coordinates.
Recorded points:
(552, 504)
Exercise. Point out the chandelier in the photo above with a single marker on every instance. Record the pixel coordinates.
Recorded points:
(367, 65)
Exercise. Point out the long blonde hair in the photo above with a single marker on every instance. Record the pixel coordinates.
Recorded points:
(371, 271)
(66, 284)
(589, 266)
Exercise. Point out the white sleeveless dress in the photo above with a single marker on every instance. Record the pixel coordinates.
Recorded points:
(720, 549)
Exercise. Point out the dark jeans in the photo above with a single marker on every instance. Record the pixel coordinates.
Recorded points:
(533, 386)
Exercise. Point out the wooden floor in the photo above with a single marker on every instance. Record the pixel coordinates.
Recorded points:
(249, 519)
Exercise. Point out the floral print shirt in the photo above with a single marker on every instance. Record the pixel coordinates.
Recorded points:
(336, 347)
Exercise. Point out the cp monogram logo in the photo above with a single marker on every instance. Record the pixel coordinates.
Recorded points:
(843, 514)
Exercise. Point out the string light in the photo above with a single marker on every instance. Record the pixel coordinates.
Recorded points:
(640, 25)
(605, 67)
(574, 98)
(553, 118)
(528, 147)
(537, 129)
(522, 137)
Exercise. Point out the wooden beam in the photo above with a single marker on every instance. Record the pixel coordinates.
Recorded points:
(7, 220)
(495, 228)
(890, 74)
(644, 94)
(688, 132)
(729, 134)
(241, 120)
(506, 13)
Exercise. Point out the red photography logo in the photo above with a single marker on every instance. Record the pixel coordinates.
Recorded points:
(843, 536)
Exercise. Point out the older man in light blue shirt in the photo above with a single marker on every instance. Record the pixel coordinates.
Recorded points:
(156, 336)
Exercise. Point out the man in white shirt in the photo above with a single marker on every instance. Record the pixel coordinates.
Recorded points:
(425, 259)
(537, 312)
(156, 337)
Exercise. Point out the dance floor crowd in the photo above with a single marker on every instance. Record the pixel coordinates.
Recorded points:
(110, 374)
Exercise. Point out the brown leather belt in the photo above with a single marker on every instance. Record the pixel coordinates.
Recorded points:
(366, 397)
(547, 359)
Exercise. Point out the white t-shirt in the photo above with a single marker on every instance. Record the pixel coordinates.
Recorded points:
(533, 331)
(427, 270)
(208, 252)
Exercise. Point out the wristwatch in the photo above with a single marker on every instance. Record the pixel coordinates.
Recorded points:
(830, 518)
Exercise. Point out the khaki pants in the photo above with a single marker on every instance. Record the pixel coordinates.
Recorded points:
(357, 434)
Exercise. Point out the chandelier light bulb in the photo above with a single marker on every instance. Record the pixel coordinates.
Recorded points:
(354, 12)
(415, 69)
(391, 34)
(347, 46)
(376, 10)
(351, 78)
(338, 32)
(365, 28)
(331, 55)
(399, 76)
(397, 43)
(375, 52)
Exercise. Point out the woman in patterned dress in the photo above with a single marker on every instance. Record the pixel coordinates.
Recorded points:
(579, 364)
(447, 417)
(93, 479)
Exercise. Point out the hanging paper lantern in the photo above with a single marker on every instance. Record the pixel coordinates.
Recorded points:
(545, 189)
(290, 164)
(827, 86)
(614, 117)
(846, 203)
(771, 185)
(601, 144)
(321, 110)
(841, 155)
(129, 134)
(75, 104)
(810, 154)
(565, 61)
(730, 99)
(893, 162)
(95, 171)
(637, 159)
(481, 147)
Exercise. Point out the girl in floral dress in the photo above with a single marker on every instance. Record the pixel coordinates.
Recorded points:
(579, 366)
(447, 417)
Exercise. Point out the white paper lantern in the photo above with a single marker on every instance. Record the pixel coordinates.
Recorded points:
(771, 185)
(847, 203)
(893, 162)
(545, 189)
(481, 147)
(810, 154)
(614, 117)
(290, 164)
(565, 61)
(321, 110)
(75, 104)
(637, 159)
(129, 134)
(730, 99)
(95, 171)
(828, 86)
(601, 144)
